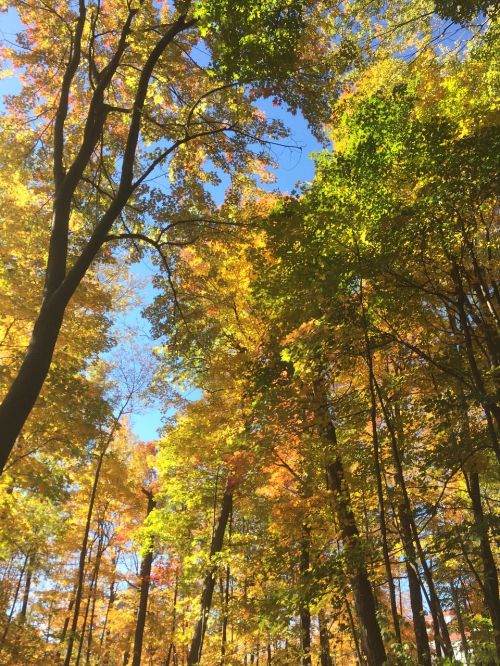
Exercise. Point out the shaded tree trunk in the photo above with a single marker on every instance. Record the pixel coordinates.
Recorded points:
(324, 641)
(61, 283)
(377, 469)
(13, 606)
(460, 621)
(442, 637)
(304, 612)
(145, 575)
(171, 647)
(490, 578)
(83, 552)
(364, 600)
(26, 593)
(417, 607)
(196, 646)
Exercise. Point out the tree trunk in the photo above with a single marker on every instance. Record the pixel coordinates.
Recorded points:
(26, 593)
(171, 647)
(93, 583)
(324, 641)
(28, 383)
(81, 562)
(460, 621)
(442, 637)
(304, 612)
(14, 602)
(83, 551)
(378, 471)
(490, 578)
(354, 633)
(145, 574)
(417, 607)
(364, 600)
(196, 647)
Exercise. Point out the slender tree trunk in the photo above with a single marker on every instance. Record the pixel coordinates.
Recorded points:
(14, 602)
(460, 621)
(81, 562)
(196, 647)
(26, 593)
(225, 615)
(93, 583)
(377, 469)
(105, 632)
(354, 634)
(92, 612)
(83, 551)
(145, 574)
(417, 607)
(68, 615)
(490, 578)
(304, 612)
(442, 637)
(324, 641)
(171, 648)
(364, 600)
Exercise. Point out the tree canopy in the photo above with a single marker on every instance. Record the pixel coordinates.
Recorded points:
(324, 486)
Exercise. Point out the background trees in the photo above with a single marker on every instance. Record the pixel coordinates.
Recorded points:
(327, 488)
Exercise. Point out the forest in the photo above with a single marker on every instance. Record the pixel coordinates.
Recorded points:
(249, 333)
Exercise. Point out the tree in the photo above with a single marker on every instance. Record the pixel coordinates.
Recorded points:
(110, 116)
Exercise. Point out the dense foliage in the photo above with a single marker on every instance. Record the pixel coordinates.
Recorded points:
(325, 486)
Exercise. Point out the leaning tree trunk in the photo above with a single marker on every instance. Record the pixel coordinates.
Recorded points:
(145, 575)
(61, 283)
(196, 647)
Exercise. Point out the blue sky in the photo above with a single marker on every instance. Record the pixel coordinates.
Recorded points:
(294, 165)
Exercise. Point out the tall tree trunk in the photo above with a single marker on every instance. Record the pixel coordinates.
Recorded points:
(225, 614)
(69, 614)
(13, 606)
(83, 551)
(145, 574)
(417, 607)
(324, 640)
(364, 600)
(460, 621)
(304, 612)
(442, 637)
(61, 283)
(354, 634)
(490, 578)
(93, 583)
(171, 647)
(27, 588)
(94, 600)
(377, 467)
(196, 647)
(105, 631)
(81, 562)
(24, 391)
